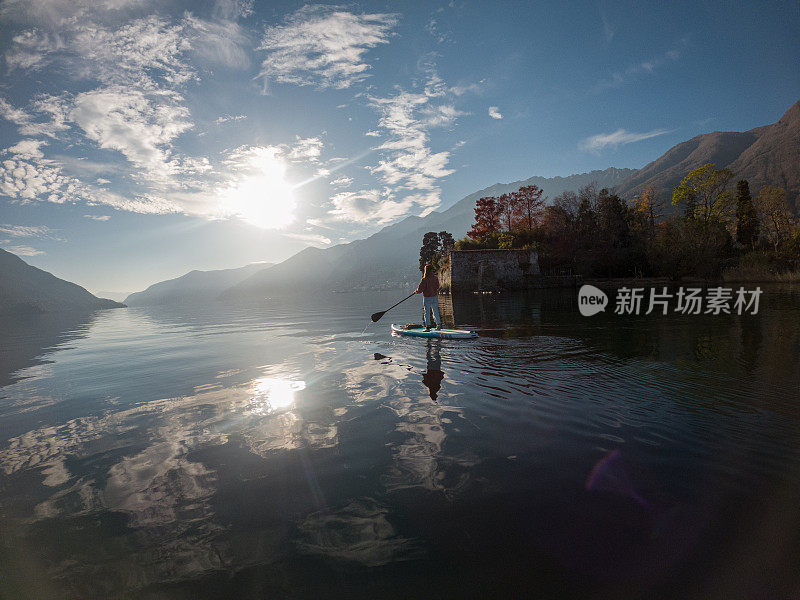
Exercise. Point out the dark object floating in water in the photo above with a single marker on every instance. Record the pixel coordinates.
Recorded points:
(379, 356)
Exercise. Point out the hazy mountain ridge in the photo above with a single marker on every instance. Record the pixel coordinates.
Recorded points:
(195, 286)
(766, 155)
(24, 288)
(389, 258)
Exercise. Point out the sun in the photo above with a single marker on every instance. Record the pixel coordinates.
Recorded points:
(260, 195)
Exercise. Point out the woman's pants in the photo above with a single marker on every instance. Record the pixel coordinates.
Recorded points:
(431, 305)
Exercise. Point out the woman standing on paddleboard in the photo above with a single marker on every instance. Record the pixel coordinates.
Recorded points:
(429, 288)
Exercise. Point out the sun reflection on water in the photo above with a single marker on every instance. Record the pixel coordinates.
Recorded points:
(273, 394)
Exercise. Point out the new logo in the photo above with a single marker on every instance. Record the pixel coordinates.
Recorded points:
(591, 300)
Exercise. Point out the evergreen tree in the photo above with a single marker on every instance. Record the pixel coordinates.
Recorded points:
(747, 225)
(430, 246)
(446, 242)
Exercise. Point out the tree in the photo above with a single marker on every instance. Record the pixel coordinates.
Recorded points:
(487, 218)
(747, 225)
(586, 223)
(430, 246)
(612, 225)
(446, 242)
(704, 192)
(529, 203)
(648, 208)
(509, 210)
(774, 214)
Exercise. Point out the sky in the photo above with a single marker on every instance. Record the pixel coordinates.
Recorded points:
(142, 139)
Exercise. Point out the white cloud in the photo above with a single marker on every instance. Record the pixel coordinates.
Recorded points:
(473, 88)
(306, 149)
(342, 181)
(37, 231)
(27, 149)
(26, 179)
(146, 53)
(225, 118)
(369, 206)
(220, 42)
(494, 112)
(619, 137)
(139, 125)
(15, 115)
(409, 162)
(97, 217)
(24, 251)
(323, 46)
(52, 107)
(373, 133)
(443, 115)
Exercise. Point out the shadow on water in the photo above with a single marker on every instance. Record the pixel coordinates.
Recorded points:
(26, 339)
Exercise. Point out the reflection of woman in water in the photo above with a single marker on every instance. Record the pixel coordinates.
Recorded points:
(432, 379)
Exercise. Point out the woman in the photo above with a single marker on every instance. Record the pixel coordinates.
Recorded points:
(429, 288)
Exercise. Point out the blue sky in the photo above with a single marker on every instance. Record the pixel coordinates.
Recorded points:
(142, 139)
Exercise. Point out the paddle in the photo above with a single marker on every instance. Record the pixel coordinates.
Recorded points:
(375, 317)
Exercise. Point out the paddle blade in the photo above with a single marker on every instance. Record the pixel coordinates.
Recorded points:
(376, 316)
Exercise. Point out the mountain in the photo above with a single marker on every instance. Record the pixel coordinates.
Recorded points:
(195, 286)
(390, 257)
(26, 289)
(767, 155)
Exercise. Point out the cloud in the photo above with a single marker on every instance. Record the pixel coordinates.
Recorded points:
(27, 148)
(306, 149)
(373, 133)
(598, 142)
(469, 88)
(26, 179)
(369, 206)
(219, 42)
(323, 46)
(494, 112)
(97, 217)
(24, 251)
(139, 125)
(343, 181)
(443, 115)
(225, 118)
(644, 67)
(51, 107)
(312, 238)
(35, 231)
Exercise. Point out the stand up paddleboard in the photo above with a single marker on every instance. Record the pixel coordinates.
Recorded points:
(419, 331)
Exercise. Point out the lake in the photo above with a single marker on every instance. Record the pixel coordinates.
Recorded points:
(291, 449)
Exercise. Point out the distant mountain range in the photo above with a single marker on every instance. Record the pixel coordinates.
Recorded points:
(768, 155)
(390, 257)
(26, 289)
(195, 286)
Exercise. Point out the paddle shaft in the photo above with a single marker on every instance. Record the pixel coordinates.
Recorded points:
(378, 315)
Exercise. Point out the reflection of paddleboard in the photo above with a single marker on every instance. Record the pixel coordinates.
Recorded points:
(433, 333)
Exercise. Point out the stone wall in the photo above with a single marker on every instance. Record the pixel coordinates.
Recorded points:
(474, 270)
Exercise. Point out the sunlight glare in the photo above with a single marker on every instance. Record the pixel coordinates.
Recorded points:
(261, 195)
(271, 394)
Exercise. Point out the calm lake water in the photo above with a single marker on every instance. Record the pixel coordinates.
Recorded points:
(282, 450)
